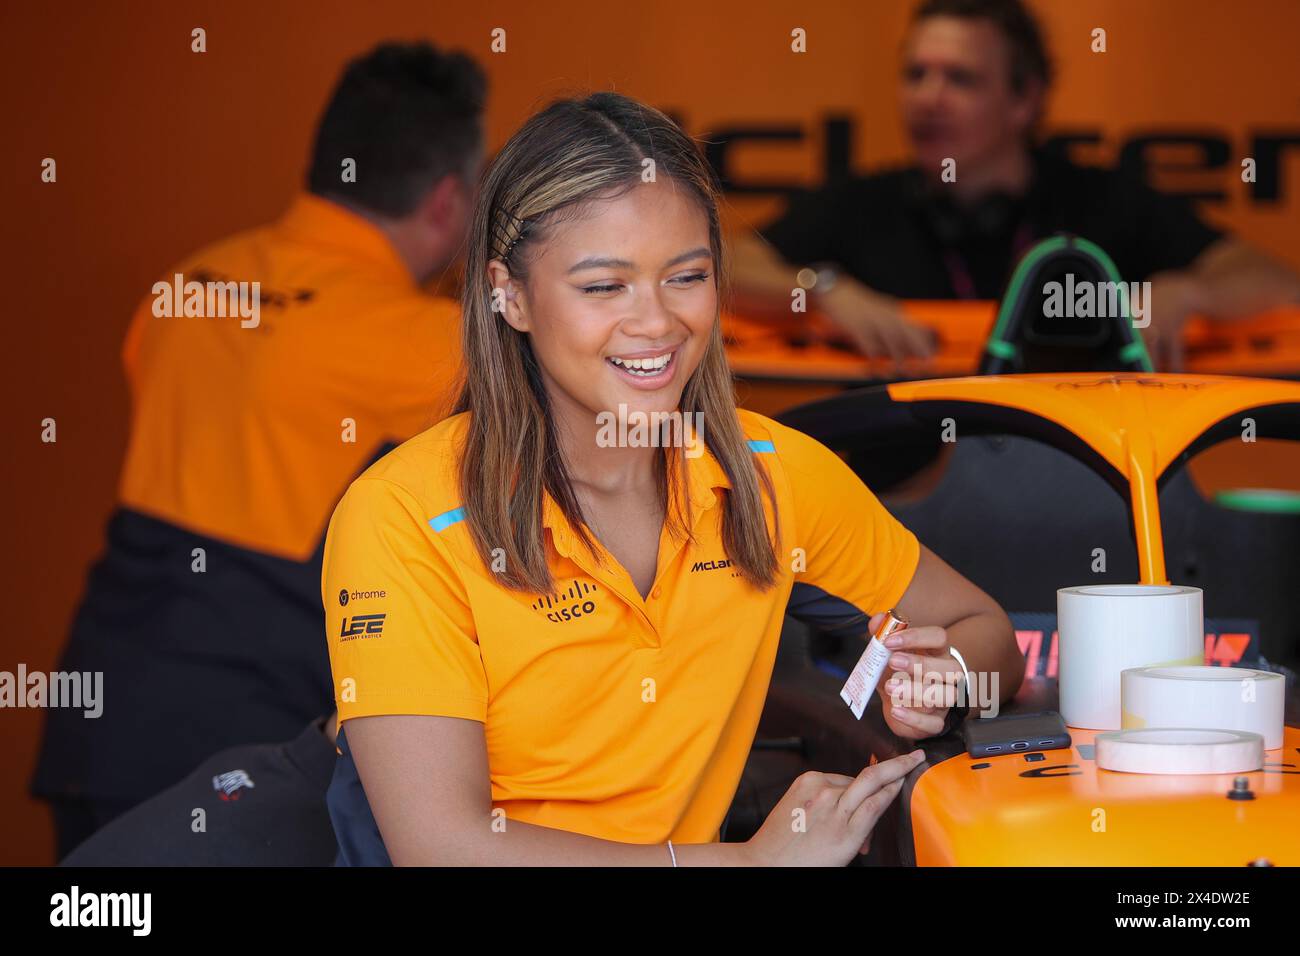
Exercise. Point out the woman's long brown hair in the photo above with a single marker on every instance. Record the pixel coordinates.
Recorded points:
(574, 151)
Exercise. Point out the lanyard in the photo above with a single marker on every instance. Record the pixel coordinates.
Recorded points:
(959, 274)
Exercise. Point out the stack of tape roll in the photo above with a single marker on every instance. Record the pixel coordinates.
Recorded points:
(1179, 750)
(1222, 698)
(1106, 629)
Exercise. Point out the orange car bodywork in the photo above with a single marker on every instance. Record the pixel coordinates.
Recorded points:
(1138, 423)
(1064, 811)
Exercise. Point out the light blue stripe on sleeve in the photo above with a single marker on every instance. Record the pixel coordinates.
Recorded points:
(448, 518)
(762, 447)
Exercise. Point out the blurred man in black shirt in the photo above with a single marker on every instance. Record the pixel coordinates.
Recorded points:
(974, 80)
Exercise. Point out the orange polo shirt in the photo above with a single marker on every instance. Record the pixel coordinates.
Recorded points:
(250, 433)
(604, 713)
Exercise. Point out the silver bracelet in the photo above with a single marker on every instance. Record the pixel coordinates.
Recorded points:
(957, 656)
(672, 853)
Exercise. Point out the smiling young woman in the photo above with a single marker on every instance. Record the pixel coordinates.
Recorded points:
(571, 643)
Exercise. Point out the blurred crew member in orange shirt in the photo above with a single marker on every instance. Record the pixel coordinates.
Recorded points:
(266, 371)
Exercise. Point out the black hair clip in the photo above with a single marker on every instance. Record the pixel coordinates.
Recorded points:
(506, 232)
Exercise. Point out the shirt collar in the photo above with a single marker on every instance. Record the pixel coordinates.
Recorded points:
(319, 222)
(704, 475)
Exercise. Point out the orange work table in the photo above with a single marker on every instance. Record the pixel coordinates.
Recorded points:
(1266, 345)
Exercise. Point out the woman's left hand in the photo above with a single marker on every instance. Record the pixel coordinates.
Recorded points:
(920, 683)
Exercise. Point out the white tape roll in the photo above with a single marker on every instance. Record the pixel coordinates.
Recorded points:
(1173, 750)
(1105, 629)
(1227, 698)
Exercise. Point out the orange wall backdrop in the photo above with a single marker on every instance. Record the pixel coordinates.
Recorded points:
(160, 150)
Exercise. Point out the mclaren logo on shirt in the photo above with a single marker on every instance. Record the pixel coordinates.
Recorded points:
(362, 625)
(709, 566)
(576, 602)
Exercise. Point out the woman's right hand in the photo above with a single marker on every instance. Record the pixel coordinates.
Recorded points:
(825, 819)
